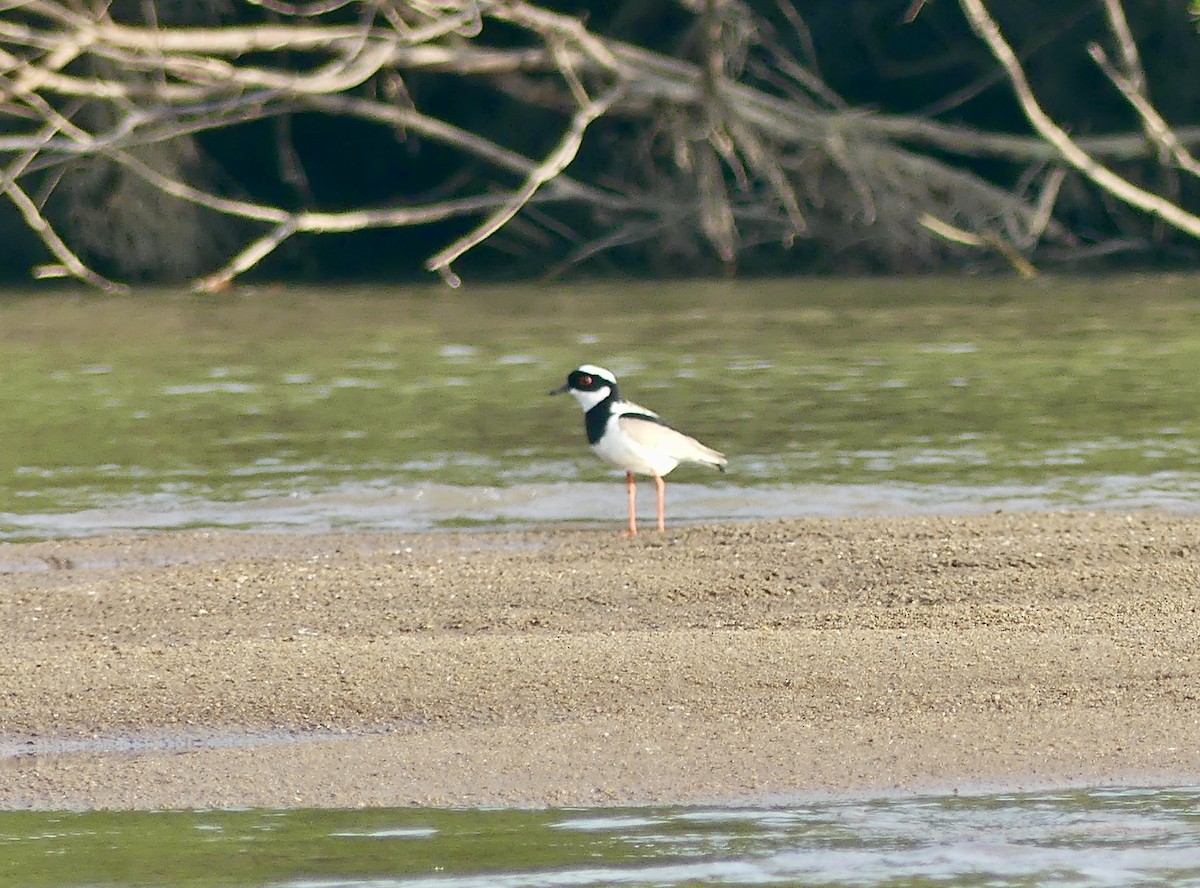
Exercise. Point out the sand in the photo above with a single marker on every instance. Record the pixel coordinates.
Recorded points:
(735, 662)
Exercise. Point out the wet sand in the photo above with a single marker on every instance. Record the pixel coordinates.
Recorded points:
(574, 667)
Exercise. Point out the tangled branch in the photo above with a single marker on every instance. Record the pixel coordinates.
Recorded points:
(1132, 85)
(100, 150)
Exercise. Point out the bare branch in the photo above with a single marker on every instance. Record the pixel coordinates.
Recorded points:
(1045, 208)
(1117, 23)
(987, 29)
(706, 160)
(555, 163)
(39, 226)
(1157, 129)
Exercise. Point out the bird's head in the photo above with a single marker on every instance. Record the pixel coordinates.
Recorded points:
(589, 385)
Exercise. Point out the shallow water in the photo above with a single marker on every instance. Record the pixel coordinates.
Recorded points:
(372, 507)
(1101, 837)
(413, 409)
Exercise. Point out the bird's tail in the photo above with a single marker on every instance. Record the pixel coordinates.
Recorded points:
(709, 457)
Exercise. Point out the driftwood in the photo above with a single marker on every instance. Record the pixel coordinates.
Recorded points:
(721, 161)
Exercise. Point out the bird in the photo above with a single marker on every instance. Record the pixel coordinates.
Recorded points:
(631, 437)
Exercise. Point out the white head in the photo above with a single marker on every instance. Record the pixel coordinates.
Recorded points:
(589, 385)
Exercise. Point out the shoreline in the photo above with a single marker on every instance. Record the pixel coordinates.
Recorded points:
(347, 771)
(711, 664)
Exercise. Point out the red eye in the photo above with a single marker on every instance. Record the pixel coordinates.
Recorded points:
(585, 380)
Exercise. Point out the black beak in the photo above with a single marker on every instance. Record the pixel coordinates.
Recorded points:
(565, 387)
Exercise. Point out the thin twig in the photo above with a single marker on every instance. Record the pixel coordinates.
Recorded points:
(555, 163)
(957, 235)
(1119, 25)
(32, 215)
(248, 258)
(1045, 207)
(39, 226)
(1157, 129)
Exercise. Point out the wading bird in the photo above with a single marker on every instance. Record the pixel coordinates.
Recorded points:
(631, 437)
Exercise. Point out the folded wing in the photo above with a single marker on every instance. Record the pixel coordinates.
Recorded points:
(651, 432)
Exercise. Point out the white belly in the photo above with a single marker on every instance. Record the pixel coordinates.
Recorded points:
(618, 448)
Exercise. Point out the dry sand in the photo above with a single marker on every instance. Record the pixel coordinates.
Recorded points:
(738, 661)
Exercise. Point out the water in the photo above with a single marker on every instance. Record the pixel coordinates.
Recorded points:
(431, 506)
(1096, 837)
(417, 409)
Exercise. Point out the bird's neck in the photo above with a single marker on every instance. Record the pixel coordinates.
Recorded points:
(595, 420)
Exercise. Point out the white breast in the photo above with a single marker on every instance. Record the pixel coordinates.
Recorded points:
(621, 449)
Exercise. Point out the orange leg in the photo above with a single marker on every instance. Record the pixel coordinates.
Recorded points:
(662, 500)
(632, 503)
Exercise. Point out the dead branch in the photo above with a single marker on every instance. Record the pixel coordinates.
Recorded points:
(546, 171)
(746, 162)
(1130, 79)
(1070, 150)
